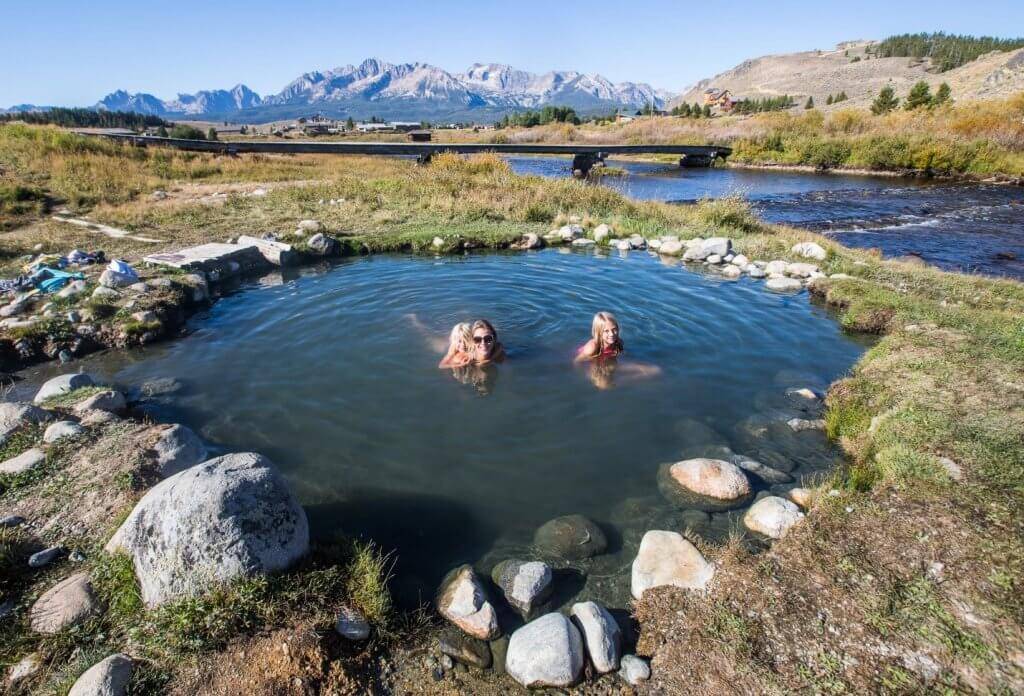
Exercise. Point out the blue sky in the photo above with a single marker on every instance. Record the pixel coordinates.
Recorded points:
(73, 53)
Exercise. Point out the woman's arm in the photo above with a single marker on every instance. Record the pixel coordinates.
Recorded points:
(587, 352)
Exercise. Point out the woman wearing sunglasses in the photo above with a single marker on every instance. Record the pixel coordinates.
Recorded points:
(486, 348)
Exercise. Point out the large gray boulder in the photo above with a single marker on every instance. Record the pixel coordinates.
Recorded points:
(666, 558)
(178, 448)
(109, 677)
(570, 538)
(69, 602)
(230, 517)
(14, 415)
(601, 635)
(463, 601)
(545, 652)
(705, 484)
(525, 584)
(62, 385)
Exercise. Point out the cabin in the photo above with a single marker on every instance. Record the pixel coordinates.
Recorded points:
(419, 136)
(720, 98)
(623, 118)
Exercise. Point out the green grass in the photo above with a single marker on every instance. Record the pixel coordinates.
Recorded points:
(69, 399)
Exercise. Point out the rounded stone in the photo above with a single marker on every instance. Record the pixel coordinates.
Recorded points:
(61, 430)
(666, 558)
(545, 652)
(634, 670)
(810, 250)
(62, 385)
(705, 484)
(772, 516)
(570, 538)
(783, 284)
(110, 400)
(109, 677)
(178, 448)
(67, 603)
(801, 496)
(352, 624)
(601, 635)
(525, 584)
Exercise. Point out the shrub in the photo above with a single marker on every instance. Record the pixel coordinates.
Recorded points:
(187, 132)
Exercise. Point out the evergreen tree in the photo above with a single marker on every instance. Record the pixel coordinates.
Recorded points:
(162, 132)
(942, 95)
(885, 102)
(810, 103)
(350, 124)
(828, 102)
(707, 111)
(920, 95)
(684, 110)
(841, 97)
(211, 134)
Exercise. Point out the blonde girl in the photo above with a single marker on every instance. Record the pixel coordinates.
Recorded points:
(604, 342)
(460, 346)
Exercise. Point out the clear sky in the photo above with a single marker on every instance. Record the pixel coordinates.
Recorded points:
(73, 53)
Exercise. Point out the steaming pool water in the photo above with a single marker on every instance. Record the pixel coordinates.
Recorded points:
(325, 372)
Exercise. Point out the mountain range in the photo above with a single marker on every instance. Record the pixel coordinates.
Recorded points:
(409, 91)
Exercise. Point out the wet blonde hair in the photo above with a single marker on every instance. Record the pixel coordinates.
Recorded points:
(601, 321)
(461, 338)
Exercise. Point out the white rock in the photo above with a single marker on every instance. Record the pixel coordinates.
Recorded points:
(636, 241)
(776, 267)
(26, 461)
(62, 385)
(634, 670)
(740, 260)
(437, 243)
(13, 415)
(810, 250)
(716, 245)
(772, 516)
(783, 284)
(666, 558)
(113, 279)
(671, 248)
(756, 271)
(545, 652)
(75, 287)
(104, 293)
(716, 479)
(310, 226)
(583, 242)
(803, 497)
(230, 517)
(654, 244)
(67, 603)
(524, 583)
(623, 244)
(601, 635)
(178, 448)
(801, 270)
(731, 271)
(800, 424)
(602, 232)
(570, 232)
(109, 677)
(714, 259)
(463, 601)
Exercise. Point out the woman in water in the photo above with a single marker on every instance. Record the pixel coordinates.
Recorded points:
(486, 348)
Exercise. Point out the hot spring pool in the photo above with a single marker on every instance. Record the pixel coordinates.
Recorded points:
(325, 372)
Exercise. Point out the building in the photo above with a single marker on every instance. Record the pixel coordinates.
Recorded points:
(373, 127)
(721, 98)
(623, 118)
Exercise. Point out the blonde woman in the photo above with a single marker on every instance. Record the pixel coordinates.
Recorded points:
(604, 342)
(460, 347)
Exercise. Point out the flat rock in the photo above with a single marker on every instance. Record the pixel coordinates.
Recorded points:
(67, 603)
(705, 484)
(109, 400)
(634, 670)
(178, 448)
(310, 226)
(601, 635)
(772, 516)
(666, 558)
(465, 649)
(62, 385)
(109, 677)
(545, 652)
(351, 624)
(570, 538)
(525, 584)
(60, 430)
(14, 415)
(93, 418)
(229, 517)
(783, 284)
(210, 257)
(462, 600)
(26, 461)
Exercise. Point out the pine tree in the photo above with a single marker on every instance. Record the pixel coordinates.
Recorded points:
(920, 95)
(162, 132)
(810, 103)
(942, 95)
(828, 101)
(885, 102)
(841, 97)
(350, 124)
(684, 110)
(707, 111)
(211, 134)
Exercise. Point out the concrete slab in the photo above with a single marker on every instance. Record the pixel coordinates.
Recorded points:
(224, 259)
(277, 253)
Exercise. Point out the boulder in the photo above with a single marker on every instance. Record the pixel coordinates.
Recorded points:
(740, 260)
(756, 271)
(60, 430)
(114, 279)
(570, 232)
(93, 418)
(583, 242)
(731, 271)
(705, 484)
(570, 538)
(528, 241)
(601, 635)
(783, 284)
(637, 241)
(352, 624)
(230, 517)
(801, 270)
(545, 652)
(26, 461)
(465, 649)
(714, 246)
(178, 448)
(671, 248)
(67, 603)
(624, 245)
(146, 317)
(602, 232)
(776, 267)
(310, 226)
(322, 245)
(110, 400)
(714, 259)
(634, 670)
(15, 415)
(810, 250)
(104, 293)
(525, 584)
(772, 516)
(109, 677)
(666, 558)
(62, 385)
(75, 287)
(463, 601)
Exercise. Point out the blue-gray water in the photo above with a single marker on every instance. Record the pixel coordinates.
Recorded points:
(972, 228)
(325, 373)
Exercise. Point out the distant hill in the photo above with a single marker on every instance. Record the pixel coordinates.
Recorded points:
(851, 68)
(408, 91)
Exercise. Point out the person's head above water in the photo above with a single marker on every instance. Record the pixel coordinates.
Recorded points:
(485, 342)
(461, 339)
(604, 332)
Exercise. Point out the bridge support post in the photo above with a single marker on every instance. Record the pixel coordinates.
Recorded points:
(583, 162)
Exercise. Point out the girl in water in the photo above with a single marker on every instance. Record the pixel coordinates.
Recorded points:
(604, 342)
(460, 347)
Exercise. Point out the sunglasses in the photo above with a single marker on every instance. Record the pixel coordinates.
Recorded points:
(488, 339)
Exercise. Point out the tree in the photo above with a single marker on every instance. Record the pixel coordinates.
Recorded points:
(350, 124)
(810, 103)
(942, 95)
(920, 95)
(187, 132)
(706, 113)
(211, 134)
(162, 132)
(885, 102)
(840, 97)
(828, 102)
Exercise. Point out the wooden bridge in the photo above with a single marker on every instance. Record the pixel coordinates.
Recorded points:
(584, 157)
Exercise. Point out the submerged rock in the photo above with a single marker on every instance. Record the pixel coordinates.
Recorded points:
(570, 538)
(545, 652)
(110, 400)
(62, 385)
(67, 603)
(231, 517)
(706, 484)
(761, 471)
(463, 601)
(601, 635)
(666, 558)
(525, 584)
(109, 677)
(772, 516)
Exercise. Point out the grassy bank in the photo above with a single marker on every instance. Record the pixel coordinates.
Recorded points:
(980, 139)
(905, 579)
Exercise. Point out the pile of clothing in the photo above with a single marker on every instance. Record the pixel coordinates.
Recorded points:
(46, 272)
